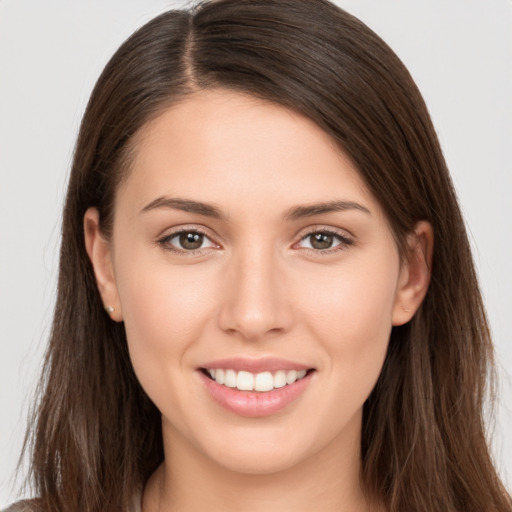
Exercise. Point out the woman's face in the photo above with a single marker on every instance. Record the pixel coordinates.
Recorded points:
(246, 246)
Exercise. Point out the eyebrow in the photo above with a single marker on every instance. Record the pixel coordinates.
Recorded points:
(294, 213)
(185, 205)
(300, 212)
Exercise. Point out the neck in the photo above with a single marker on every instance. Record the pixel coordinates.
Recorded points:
(189, 481)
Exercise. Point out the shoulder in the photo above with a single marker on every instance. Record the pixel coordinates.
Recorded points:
(23, 506)
(34, 505)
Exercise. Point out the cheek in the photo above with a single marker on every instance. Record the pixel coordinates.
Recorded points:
(164, 310)
(351, 316)
(352, 298)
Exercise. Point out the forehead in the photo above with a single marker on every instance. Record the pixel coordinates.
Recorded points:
(239, 151)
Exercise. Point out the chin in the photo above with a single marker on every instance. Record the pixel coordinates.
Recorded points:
(261, 463)
(259, 450)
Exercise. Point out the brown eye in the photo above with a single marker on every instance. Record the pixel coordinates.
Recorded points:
(190, 240)
(321, 240)
(186, 241)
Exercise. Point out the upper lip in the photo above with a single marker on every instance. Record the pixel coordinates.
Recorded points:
(256, 365)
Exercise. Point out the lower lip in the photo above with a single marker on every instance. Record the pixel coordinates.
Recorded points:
(254, 403)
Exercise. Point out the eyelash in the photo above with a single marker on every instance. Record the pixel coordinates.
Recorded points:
(164, 242)
(344, 242)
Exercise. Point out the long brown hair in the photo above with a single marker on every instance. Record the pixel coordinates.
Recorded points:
(96, 436)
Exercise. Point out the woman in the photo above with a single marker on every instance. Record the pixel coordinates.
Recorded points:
(266, 294)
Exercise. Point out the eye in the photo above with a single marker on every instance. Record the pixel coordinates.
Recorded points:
(324, 241)
(186, 241)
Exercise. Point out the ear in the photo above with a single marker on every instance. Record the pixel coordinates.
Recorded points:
(100, 254)
(415, 273)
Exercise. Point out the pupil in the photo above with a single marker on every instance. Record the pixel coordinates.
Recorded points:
(191, 240)
(321, 241)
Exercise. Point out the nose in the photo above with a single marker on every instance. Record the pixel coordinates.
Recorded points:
(255, 298)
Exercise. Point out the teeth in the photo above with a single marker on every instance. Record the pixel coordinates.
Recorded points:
(280, 379)
(220, 376)
(291, 377)
(245, 381)
(264, 381)
(229, 378)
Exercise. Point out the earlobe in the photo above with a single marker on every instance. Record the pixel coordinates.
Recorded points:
(99, 252)
(415, 273)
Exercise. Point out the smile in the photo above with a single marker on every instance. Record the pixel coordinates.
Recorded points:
(256, 387)
(260, 382)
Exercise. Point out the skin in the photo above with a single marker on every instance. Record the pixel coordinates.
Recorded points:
(256, 288)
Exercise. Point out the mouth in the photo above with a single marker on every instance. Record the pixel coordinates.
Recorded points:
(255, 388)
(259, 382)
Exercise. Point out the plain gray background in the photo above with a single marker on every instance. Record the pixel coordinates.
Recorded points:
(51, 52)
